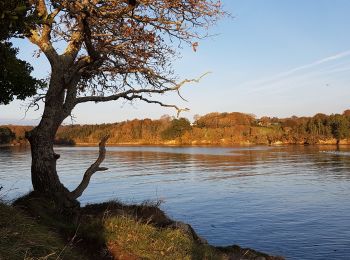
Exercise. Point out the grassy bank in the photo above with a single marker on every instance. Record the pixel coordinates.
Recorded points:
(35, 228)
(24, 238)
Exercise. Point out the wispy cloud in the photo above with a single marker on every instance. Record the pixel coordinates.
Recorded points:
(295, 73)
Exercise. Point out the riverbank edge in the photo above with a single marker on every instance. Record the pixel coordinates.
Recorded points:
(219, 144)
(86, 233)
(196, 144)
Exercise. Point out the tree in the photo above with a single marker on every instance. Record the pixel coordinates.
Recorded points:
(113, 50)
(339, 127)
(347, 113)
(15, 78)
(6, 135)
(176, 128)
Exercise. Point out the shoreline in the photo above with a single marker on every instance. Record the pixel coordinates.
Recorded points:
(277, 144)
(120, 231)
(246, 144)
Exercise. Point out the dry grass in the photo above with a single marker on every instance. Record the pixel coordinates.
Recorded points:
(131, 239)
(23, 238)
(34, 228)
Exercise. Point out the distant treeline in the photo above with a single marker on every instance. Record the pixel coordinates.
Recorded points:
(213, 128)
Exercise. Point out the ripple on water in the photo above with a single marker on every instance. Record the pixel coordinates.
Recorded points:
(291, 201)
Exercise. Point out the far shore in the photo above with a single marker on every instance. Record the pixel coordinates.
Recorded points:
(174, 144)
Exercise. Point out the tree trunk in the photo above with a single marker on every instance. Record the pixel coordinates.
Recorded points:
(43, 170)
(44, 175)
(59, 103)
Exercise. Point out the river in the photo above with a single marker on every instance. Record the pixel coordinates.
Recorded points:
(289, 200)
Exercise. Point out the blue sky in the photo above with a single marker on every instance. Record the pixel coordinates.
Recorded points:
(275, 58)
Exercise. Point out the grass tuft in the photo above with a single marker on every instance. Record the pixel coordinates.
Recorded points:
(35, 227)
(128, 237)
(23, 238)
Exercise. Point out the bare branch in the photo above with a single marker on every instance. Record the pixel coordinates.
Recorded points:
(179, 110)
(45, 46)
(178, 86)
(132, 91)
(41, 36)
(51, 17)
(95, 167)
(75, 42)
(115, 49)
(41, 7)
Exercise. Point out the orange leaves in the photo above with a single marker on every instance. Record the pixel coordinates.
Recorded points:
(115, 48)
(195, 46)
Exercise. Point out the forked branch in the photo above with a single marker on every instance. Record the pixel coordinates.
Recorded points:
(95, 167)
(132, 94)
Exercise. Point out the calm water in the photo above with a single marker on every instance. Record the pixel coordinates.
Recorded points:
(292, 201)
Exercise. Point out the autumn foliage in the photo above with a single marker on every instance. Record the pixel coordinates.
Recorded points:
(213, 128)
(217, 128)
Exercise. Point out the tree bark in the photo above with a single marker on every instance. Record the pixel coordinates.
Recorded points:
(95, 167)
(59, 103)
(45, 179)
(43, 171)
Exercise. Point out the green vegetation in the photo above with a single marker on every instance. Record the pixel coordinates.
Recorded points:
(18, 132)
(339, 126)
(15, 18)
(176, 129)
(15, 79)
(37, 228)
(6, 135)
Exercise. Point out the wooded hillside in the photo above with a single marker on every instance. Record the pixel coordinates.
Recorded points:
(212, 128)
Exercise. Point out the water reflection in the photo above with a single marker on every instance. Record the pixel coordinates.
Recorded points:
(290, 200)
